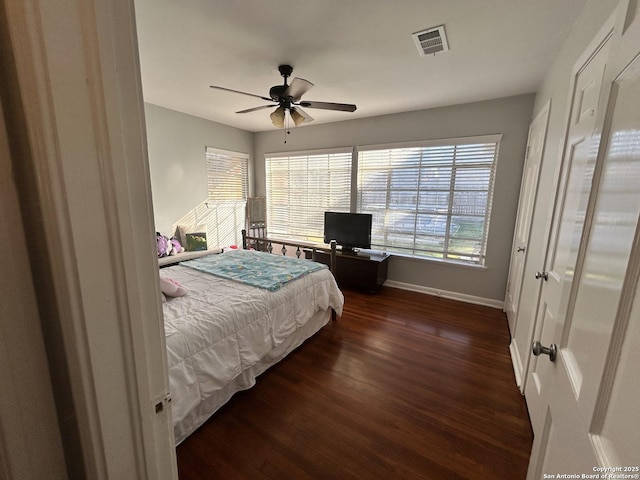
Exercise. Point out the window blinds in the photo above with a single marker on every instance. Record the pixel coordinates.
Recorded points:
(431, 199)
(227, 175)
(227, 191)
(301, 186)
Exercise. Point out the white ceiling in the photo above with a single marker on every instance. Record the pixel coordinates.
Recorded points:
(354, 51)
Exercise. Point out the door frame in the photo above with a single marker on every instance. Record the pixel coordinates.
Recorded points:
(31, 443)
(77, 123)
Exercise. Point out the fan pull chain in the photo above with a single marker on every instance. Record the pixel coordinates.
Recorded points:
(286, 129)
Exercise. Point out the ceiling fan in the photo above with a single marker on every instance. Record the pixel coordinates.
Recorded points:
(288, 98)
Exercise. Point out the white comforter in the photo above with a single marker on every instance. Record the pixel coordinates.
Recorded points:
(220, 328)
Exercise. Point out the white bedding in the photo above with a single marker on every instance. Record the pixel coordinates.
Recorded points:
(222, 334)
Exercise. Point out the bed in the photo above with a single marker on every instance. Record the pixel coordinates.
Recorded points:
(224, 332)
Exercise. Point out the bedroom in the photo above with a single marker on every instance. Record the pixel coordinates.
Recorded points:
(499, 102)
(555, 86)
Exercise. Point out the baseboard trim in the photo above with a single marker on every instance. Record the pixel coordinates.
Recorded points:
(515, 361)
(487, 302)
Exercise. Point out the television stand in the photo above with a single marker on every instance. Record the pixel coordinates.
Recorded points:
(360, 271)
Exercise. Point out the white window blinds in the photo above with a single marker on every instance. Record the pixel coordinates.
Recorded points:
(301, 186)
(227, 175)
(431, 199)
(227, 191)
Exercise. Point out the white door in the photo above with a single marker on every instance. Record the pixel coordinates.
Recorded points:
(592, 419)
(571, 203)
(528, 192)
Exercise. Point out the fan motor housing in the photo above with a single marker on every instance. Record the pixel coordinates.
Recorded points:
(276, 92)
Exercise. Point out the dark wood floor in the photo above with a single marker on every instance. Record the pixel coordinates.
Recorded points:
(403, 386)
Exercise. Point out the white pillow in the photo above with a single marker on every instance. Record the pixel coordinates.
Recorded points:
(171, 288)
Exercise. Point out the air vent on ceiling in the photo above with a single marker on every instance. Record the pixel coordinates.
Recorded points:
(431, 41)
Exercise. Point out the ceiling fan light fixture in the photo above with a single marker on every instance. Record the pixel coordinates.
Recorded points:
(277, 117)
(296, 117)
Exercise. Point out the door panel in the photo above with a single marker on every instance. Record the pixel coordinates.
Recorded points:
(563, 432)
(572, 201)
(612, 233)
(592, 389)
(614, 224)
(520, 309)
(620, 435)
(528, 193)
(581, 166)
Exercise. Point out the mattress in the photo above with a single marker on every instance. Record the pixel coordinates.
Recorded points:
(222, 334)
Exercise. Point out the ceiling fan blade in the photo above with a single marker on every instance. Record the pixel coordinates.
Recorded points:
(255, 108)
(298, 87)
(307, 117)
(343, 107)
(242, 93)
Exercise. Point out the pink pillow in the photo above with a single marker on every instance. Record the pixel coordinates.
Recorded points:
(171, 288)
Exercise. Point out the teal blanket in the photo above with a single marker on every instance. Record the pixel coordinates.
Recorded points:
(259, 269)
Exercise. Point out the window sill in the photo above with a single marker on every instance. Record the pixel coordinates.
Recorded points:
(453, 263)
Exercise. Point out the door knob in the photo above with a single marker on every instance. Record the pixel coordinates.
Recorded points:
(521, 249)
(552, 351)
(543, 275)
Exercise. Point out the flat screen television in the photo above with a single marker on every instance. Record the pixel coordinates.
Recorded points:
(349, 230)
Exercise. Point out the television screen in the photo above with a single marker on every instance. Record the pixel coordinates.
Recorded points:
(349, 230)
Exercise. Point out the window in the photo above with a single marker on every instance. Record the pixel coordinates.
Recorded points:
(227, 175)
(227, 187)
(301, 186)
(431, 199)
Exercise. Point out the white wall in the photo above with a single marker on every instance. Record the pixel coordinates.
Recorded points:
(509, 116)
(177, 160)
